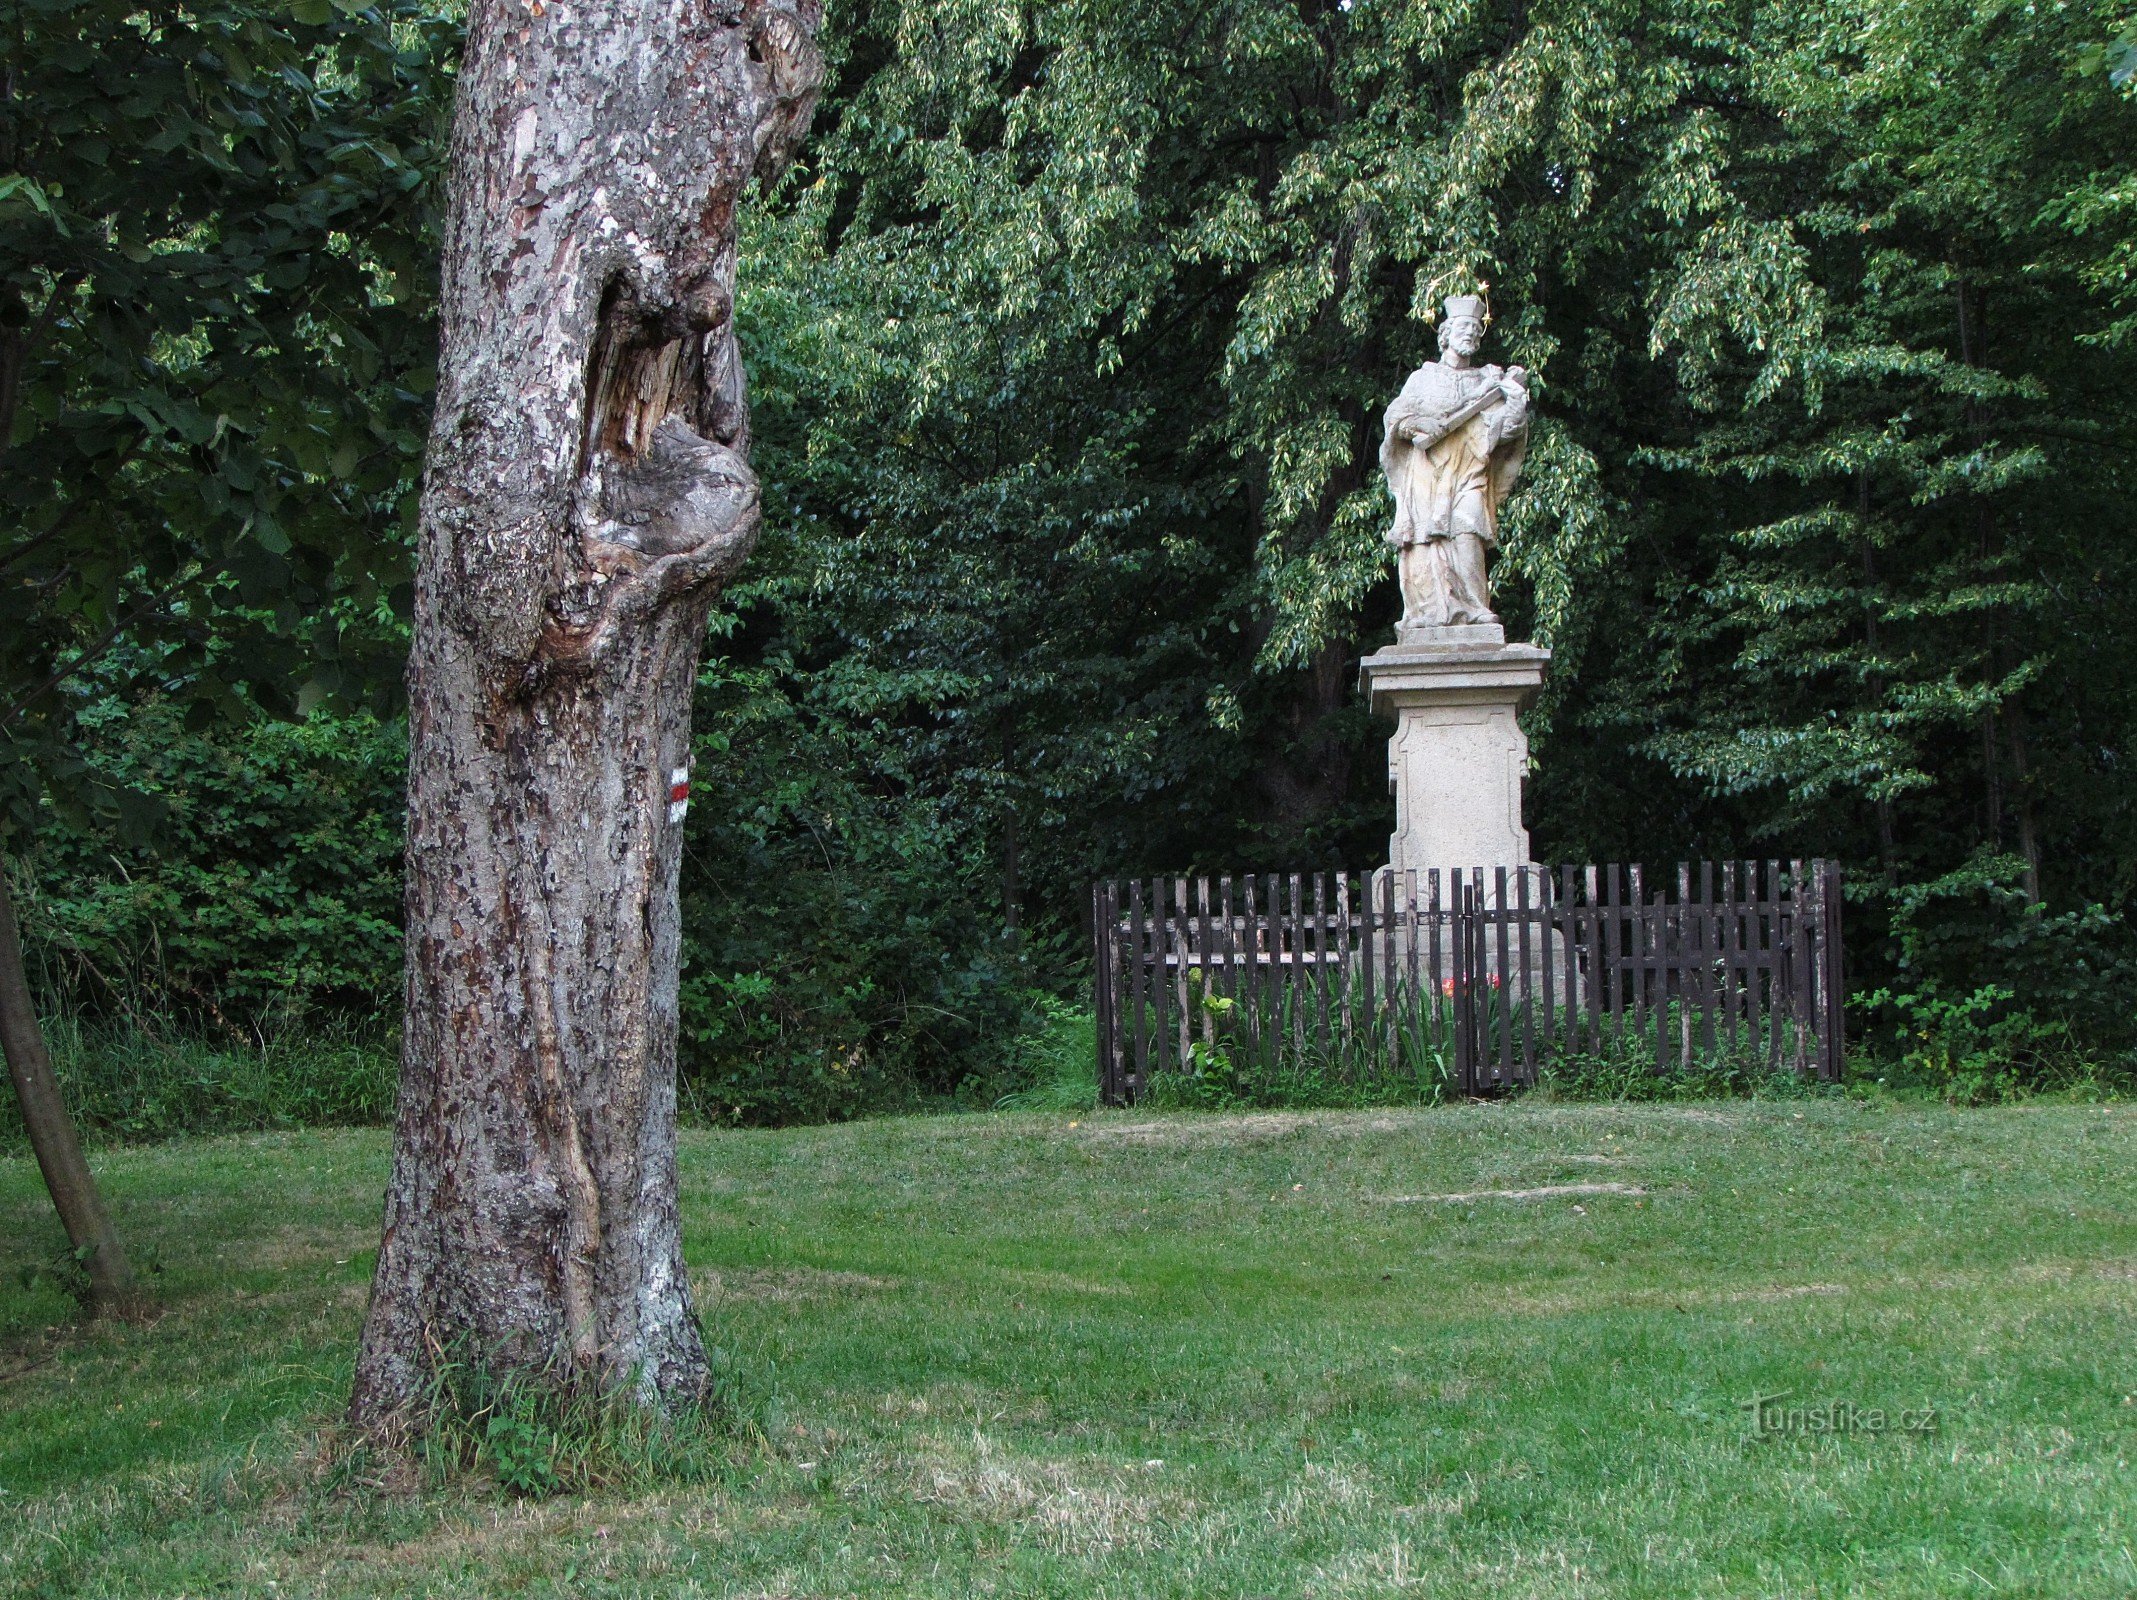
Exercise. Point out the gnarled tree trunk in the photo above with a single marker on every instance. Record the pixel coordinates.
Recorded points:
(586, 495)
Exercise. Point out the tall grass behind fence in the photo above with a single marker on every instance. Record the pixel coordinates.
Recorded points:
(1468, 981)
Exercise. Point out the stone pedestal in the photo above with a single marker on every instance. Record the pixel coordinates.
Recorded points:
(1458, 755)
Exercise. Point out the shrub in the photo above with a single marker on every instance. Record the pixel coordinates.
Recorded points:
(259, 884)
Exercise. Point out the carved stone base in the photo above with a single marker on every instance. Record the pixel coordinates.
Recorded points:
(1458, 756)
(1448, 635)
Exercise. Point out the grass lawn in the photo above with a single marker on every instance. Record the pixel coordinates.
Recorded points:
(1191, 1356)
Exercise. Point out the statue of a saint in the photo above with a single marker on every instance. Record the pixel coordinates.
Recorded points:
(1452, 448)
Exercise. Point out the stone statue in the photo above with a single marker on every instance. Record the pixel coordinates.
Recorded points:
(1452, 447)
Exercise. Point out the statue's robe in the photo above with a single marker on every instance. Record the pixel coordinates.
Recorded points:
(1452, 487)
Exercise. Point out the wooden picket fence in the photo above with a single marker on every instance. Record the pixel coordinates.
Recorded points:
(1476, 977)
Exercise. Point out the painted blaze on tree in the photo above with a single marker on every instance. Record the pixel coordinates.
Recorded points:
(586, 495)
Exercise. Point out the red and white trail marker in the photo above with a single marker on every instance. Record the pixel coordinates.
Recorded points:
(678, 794)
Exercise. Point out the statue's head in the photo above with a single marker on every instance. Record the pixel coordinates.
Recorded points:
(1462, 325)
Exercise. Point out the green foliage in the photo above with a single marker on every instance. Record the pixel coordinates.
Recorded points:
(122, 1084)
(1281, 1060)
(271, 893)
(234, 974)
(216, 289)
(2052, 1017)
(1057, 1058)
(1068, 342)
(1623, 1070)
(834, 962)
(1078, 324)
(1972, 1050)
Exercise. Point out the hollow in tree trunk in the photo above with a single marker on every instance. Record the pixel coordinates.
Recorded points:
(586, 494)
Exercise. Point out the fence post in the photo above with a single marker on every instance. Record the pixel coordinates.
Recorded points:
(1464, 974)
(1102, 992)
(1832, 1046)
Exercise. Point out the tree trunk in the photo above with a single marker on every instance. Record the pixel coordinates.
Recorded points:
(585, 496)
(52, 1136)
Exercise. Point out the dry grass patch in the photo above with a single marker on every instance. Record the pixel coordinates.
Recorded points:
(782, 1285)
(1549, 1191)
(1074, 1508)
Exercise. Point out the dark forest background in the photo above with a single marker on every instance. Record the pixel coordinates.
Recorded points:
(1067, 342)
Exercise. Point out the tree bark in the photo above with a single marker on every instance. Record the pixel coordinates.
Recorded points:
(586, 494)
(59, 1150)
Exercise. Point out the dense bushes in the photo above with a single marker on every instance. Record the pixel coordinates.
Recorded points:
(123, 1083)
(254, 884)
(246, 921)
(836, 958)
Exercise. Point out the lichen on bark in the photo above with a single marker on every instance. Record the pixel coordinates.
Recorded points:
(586, 493)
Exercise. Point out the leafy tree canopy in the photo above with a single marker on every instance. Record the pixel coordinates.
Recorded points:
(215, 299)
(1068, 346)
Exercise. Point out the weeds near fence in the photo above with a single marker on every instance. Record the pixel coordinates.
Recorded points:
(126, 1084)
(1272, 1056)
(1052, 1058)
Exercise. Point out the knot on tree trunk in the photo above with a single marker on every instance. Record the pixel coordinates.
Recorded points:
(587, 491)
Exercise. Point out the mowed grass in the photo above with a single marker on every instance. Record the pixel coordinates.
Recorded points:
(1193, 1356)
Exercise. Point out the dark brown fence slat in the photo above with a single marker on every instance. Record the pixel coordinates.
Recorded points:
(1227, 972)
(1206, 959)
(1680, 982)
(1799, 950)
(1832, 1060)
(1645, 1007)
(1183, 939)
(1294, 937)
(1435, 992)
(1320, 962)
(1804, 928)
(1169, 941)
(1103, 938)
(1270, 958)
(1522, 999)
(1568, 921)
(1709, 941)
(1501, 997)
(1752, 921)
(1469, 963)
(1339, 975)
(1754, 941)
(1461, 963)
(1265, 941)
(1557, 1037)
(1390, 959)
(1276, 1021)
(1253, 971)
(1368, 1033)
(1137, 1040)
(1777, 969)
(1747, 956)
(1731, 932)
(1416, 1014)
(1590, 932)
(1102, 993)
